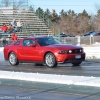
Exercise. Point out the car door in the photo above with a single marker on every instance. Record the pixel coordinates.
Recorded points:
(27, 52)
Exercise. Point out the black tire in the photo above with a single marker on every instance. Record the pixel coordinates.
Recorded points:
(76, 64)
(13, 59)
(50, 60)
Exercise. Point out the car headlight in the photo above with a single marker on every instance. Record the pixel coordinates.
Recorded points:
(65, 51)
(70, 51)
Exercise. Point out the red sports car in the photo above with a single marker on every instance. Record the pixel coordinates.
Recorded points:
(46, 50)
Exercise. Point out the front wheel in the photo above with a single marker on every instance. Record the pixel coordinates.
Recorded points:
(13, 59)
(76, 64)
(50, 60)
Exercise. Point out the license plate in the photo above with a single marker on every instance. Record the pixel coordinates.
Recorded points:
(78, 56)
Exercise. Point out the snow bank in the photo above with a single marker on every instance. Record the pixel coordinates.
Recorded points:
(52, 78)
(92, 52)
(1, 54)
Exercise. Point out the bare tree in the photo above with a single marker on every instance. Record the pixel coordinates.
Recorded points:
(19, 3)
(6, 3)
(15, 3)
(97, 6)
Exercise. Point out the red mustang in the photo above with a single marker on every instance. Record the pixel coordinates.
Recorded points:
(45, 50)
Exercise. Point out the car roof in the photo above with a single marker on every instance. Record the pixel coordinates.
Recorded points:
(36, 37)
(96, 32)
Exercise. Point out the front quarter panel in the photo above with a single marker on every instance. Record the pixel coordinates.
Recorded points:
(52, 50)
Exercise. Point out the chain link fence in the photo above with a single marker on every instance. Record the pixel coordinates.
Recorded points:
(81, 41)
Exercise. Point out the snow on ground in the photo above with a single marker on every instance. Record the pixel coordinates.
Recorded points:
(50, 78)
(1, 54)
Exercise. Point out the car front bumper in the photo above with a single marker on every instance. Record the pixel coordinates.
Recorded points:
(70, 58)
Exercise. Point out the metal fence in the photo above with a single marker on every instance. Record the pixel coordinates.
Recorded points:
(82, 41)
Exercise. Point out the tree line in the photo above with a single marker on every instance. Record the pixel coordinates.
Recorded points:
(72, 23)
(69, 22)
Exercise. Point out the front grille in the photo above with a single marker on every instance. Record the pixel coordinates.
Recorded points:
(76, 51)
(73, 60)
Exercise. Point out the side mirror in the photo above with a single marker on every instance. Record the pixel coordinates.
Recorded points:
(33, 45)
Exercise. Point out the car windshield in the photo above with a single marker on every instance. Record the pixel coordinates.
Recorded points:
(47, 41)
(87, 33)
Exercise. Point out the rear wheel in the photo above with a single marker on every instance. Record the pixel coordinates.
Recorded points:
(13, 59)
(50, 60)
(76, 64)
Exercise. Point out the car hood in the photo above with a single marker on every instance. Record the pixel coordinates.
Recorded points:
(64, 46)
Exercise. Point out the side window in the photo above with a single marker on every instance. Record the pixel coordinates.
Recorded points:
(32, 42)
(27, 42)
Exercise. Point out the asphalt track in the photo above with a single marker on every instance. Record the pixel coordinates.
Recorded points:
(87, 68)
(27, 90)
(12, 89)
